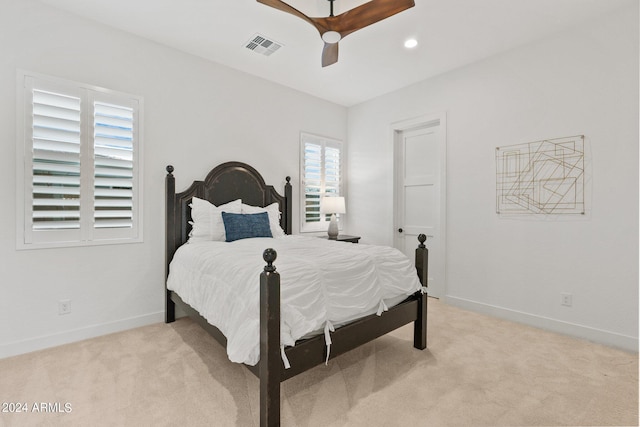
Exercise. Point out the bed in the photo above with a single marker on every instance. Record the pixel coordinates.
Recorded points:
(227, 183)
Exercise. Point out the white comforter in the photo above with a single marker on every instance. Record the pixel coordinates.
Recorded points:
(323, 283)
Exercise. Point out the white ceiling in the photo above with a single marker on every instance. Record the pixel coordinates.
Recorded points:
(372, 61)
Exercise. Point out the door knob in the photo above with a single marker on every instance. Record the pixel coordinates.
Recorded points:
(400, 230)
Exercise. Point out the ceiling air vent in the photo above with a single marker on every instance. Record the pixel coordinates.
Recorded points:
(261, 44)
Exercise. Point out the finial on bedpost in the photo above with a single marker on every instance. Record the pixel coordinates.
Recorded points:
(170, 169)
(422, 238)
(288, 180)
(269, 255)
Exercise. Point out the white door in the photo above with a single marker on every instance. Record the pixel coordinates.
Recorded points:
(420, 196)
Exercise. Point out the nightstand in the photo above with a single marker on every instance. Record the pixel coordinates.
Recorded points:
(347, 238)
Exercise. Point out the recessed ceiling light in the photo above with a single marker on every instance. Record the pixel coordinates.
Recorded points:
(411, 43)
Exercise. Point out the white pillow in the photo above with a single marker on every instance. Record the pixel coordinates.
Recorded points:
(273, 210)
(207, 219)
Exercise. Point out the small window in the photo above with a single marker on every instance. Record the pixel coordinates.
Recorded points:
(79, 164)
(321, 175)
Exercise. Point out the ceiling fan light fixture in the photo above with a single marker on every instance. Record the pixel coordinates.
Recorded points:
(331, 37)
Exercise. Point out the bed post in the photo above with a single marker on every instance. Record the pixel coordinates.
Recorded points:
(170, 239)
(270, 364)
(288, 206)
(420, 325)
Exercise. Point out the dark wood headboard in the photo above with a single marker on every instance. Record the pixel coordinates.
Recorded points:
(225, 183)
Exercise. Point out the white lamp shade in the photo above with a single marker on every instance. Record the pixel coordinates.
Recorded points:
(332, 205)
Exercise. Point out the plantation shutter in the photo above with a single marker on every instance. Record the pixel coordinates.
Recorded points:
(56, 128)
(331, 171)
(81, 165)
(312, 181)
(114, 163)
(321, 176)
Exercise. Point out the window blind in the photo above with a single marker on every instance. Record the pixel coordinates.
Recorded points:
(56, 161)
(312, 181)
(114, 162)
(331, 171)
(321, 176)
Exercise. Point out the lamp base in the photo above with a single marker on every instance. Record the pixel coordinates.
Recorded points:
(333, 228)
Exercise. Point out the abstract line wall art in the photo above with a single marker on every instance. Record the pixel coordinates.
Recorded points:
(541, 177)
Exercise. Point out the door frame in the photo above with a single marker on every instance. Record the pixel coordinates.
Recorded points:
(396, 130)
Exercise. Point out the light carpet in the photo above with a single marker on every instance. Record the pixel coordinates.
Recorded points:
(477, 371)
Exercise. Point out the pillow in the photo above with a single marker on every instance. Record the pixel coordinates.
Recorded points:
(244, 226)
(207, 219)
(274, 216)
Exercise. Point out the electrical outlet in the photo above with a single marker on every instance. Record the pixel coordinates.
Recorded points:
(567, 299)
(64, 306)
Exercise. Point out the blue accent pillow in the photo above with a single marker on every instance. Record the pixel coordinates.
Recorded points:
(244, 226)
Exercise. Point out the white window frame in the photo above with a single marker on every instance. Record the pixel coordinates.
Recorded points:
(27, 237)
(324, 143)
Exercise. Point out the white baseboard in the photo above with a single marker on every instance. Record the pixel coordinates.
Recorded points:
(33, 344)
(599, 336)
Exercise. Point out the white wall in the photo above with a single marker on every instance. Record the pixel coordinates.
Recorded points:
(582, 81)
(197, 115)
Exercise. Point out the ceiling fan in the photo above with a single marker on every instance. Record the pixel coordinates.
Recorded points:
(334, 28)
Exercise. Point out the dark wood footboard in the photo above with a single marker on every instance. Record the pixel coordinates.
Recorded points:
(312, 352)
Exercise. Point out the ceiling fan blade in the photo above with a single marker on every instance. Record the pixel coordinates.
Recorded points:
(280, 5)
(365, 15)
(329, 54)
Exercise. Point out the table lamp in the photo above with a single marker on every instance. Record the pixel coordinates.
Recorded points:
(333, 206)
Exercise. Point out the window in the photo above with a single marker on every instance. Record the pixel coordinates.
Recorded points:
(321, 175)
(79, 167)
